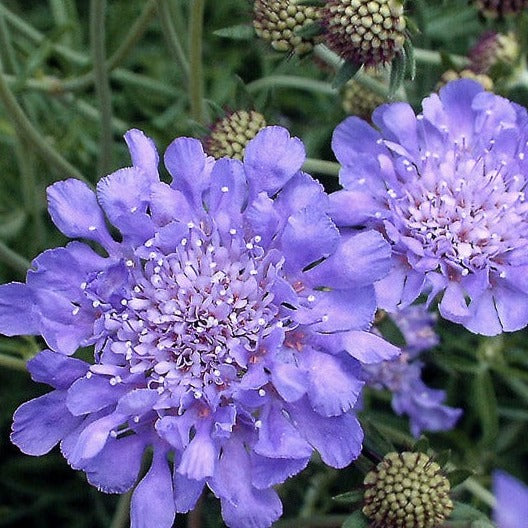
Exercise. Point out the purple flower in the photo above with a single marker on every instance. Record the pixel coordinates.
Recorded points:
(229, 323)
(446, 188)
(403, 377)
(511, 508)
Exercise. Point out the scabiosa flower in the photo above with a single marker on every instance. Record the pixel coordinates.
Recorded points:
(446, 188)
(494, 53)
(403, 376)
(511, 508)
(364, 32)
(230, 134)
(217, 318)
(280, 21)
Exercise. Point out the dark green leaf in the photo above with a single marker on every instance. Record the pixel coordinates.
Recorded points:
(457, 476)
(350, 497)
(345, 73)
(442, 458)
(11, 223)
(411, 60)
(422, 445)
(375, 442)
(356, 520)
(485, 403)
(397, 73)
(238, 32)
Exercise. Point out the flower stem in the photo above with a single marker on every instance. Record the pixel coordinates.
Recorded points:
(330, 168)
(479, 491)
(291, 81)
(172, 38)
(12, 362)
(196, 77)
(30, 134)
(434, 58)
(102, 85)
(13, 259)
(122, 512)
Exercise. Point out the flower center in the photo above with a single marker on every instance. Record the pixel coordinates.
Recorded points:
(195, 316)
(461, 211)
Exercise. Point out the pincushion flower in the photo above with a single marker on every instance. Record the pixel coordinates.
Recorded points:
(228, 334)
(403, 376)
(446, 188)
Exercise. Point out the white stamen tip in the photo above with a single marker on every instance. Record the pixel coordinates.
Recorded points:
(224, 189)
(262, 392)
(92, 228)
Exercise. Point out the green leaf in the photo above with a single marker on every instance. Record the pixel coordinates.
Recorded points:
(356, 520)
(411, 61)
(345, 73)
(309, 31)
(457, 476)
(397, 73)
(485, 403)
(11, 223)
(465, 512)
(350, 497)
(442, 458)
(238, 32)
(375, 442)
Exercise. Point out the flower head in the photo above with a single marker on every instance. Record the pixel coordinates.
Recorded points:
(230, 134)
(280, 21)
(403, 376)
(368, 32)
(217, 319)
(407, 490)
(446, 188)
(498, 8)
(511, 508)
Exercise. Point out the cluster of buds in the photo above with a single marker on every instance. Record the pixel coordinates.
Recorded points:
(359, 100)
(230, 135)
(280, 22)
(364, 32)
(467, 73)
(499, 8)
(407, 490)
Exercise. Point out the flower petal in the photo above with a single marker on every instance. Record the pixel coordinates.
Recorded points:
(56, 369)
(143, 153)
(18, 314)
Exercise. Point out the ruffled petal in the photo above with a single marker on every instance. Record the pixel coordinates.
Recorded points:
(93, 393)
(116, 468)
(74, 210)
(168, 204)
(512, 308)
(143, 153)
(243, 506)
(186, 491)
(152, 501)
(18, 313)
(397, 122)
(354, 208)
(331, 399)
(55, 369)
(337, 438)
(267, 472)
(272, 158)
(309, 236)
(199, 458)
(39, 424)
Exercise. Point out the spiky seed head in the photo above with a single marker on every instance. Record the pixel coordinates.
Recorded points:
(279, 21)
(364, 32)
(230, 135)
(407, 490)
(499, 8)
(452, 75)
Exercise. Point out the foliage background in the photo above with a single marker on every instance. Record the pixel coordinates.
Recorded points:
(47, 50)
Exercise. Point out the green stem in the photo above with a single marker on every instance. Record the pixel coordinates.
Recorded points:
(13, 259)
(136, 32)
(196, 76)
(24, 127)
(122, 512)
(172, 38)
(434, 58)
(291, 81)
(12, 362)
(6, 48)
(102, 85)
(37, 37)
(479, 491)
(330, 168)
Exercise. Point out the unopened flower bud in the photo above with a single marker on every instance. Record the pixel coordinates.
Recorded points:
(230, 135)
(280, 21)
(499, 8)
(494, 53)
(359, 100)
(407, 490)
(368, 32)
(452, 75)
